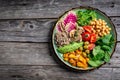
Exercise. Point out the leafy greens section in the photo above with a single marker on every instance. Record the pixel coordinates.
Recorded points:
(101, 52)
(84, 17)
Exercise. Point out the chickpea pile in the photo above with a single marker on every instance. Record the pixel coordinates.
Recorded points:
(78, 57)
(100, 27)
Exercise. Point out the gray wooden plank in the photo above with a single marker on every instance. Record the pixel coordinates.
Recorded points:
(26, 30)
(115, 60)
(51, 73)
(25, 54)
(116, 74)
(12, 9)
(38, 54)
(35, 30)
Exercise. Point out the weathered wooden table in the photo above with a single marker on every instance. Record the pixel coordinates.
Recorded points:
(25, 27)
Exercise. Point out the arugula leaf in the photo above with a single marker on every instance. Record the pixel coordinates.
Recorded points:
(84, 17)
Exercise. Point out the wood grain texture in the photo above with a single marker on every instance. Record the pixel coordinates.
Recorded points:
(35, 30)
(25, 54)
(51, 73)
(25, 28)
(12, 9)
(38, 54)
(116, 74)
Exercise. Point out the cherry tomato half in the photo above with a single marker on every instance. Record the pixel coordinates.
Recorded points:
(91, 46)
(86, 36)
(87, 28)
(93, 38)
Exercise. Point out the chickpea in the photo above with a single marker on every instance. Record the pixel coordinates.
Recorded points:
(92, 23)
(87, 51)
(97, 22)
(86, 43)
(94, 31)
(85, 47)
(98, 30)
(105, 33)
(84, 54)
(109, 28)
(81, 48)
(100, 21)
(100, 27)
(104, 23)
(108, 32)
(93, 26)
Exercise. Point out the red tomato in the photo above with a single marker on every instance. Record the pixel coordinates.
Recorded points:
(91, 46)
(87, 28)
(86, 36)
(93, 38)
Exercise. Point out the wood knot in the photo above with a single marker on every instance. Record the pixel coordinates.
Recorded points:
(31, 26)
(112, 4)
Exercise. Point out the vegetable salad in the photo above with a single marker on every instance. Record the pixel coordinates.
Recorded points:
(83, 39)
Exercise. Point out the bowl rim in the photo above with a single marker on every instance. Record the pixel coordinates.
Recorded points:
(53, 49)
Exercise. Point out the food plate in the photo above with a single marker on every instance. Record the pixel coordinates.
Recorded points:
(83, 38)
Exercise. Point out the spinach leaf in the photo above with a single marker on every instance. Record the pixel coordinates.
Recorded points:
(106, 39)
(107, 57)
(106, 48)
(94, 63)
(96, 50)
(99, 54)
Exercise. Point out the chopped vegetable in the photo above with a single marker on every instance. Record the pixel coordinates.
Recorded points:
(93, 38)
(86, 36)
(87, 28)
(70, 47)
(91, 46)
(71, 17)
(70, 26)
